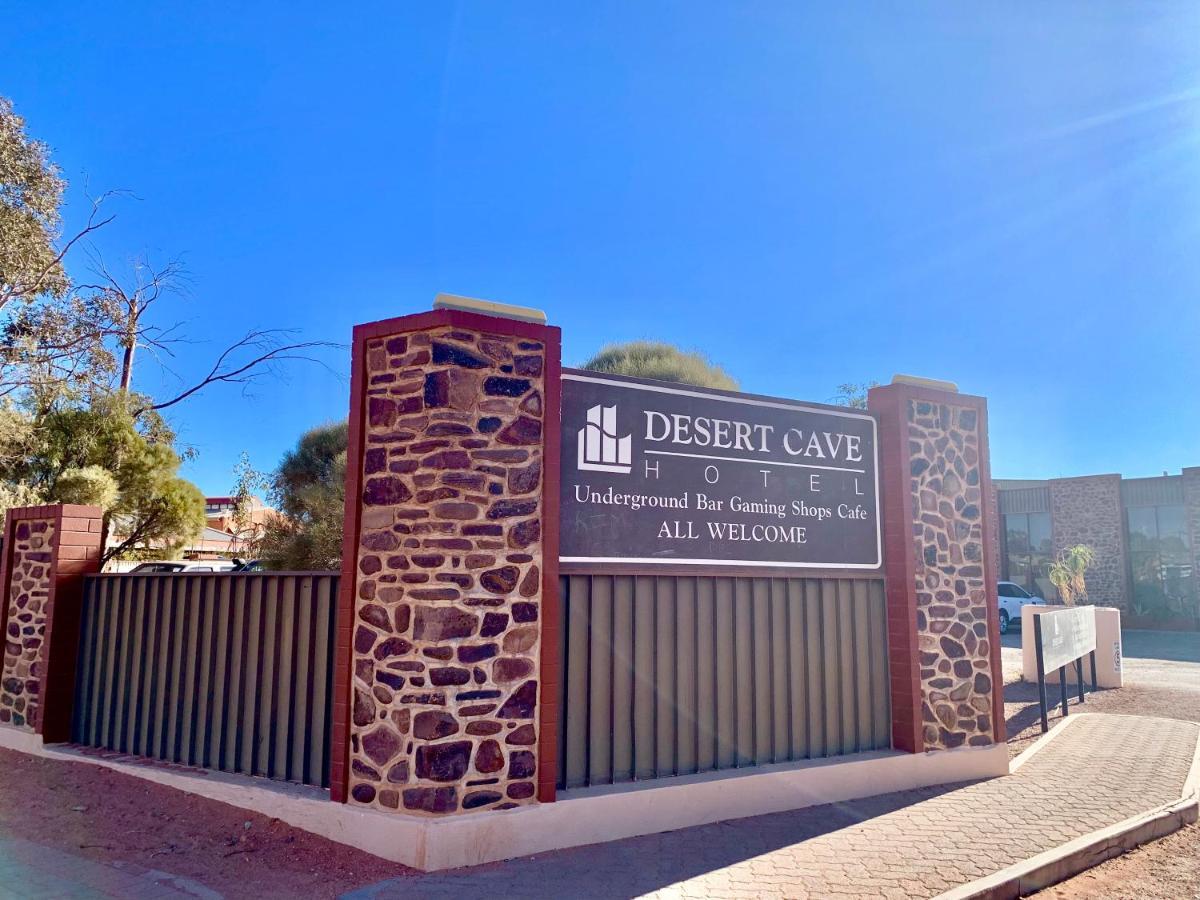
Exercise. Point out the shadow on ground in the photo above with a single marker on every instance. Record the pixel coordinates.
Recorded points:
(640, 865)
(1023, 695)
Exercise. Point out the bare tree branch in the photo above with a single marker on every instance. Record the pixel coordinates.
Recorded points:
(33, 288)
(224, 370)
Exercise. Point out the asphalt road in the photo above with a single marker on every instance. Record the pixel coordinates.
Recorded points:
(1149, 658)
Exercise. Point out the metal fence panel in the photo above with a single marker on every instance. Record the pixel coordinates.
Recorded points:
(218, 670)
(667, 676)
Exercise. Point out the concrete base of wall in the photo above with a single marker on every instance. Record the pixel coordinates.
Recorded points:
(580, 817)
(1108, 648)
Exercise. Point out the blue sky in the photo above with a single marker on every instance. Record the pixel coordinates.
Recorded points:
(1003, 195)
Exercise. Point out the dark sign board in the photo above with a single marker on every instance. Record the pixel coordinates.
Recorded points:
(656, 473)
(1067, 635)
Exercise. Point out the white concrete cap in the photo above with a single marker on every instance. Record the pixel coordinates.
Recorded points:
(933, 383)
(489, 308)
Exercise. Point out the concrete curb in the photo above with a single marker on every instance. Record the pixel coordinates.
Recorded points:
(1048, 868)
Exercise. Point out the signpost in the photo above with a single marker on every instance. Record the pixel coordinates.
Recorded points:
(664, 474)
(1063, 637)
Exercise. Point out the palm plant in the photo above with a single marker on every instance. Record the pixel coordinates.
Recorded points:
(1068, 573)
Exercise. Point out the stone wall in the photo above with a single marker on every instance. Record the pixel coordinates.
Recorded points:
(446, 637)
(1087, 510)
(957, 700)
(1191, 497)
(27, 600)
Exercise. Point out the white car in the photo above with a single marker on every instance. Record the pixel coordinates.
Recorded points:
(1012, 597)
(182, 566)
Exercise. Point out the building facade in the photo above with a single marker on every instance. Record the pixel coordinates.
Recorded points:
(1145, 533)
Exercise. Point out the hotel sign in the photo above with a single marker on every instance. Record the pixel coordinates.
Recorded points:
(1067, 635)
(656, 473)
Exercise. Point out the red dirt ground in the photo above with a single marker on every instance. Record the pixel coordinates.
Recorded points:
(106, 816)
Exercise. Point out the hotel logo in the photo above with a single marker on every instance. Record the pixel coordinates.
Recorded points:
(600, 450)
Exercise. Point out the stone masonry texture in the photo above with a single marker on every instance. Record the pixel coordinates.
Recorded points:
(1191, 497)
(27, 601)
(952, 619)
(446, 635)
(1087, 510)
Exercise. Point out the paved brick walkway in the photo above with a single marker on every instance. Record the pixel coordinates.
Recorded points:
(1101, 770)
(29, 870)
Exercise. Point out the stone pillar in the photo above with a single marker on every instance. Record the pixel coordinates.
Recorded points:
(1191, 498)
(446, 679)
(47, 551)
(941, 566)
(1087, 510)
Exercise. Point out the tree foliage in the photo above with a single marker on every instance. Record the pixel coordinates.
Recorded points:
(65, 339)
(86, 486)
(309, 492)
(99, 455)
(853, 394)
(73, 423)
(31, 189)
(16, 494)
(662, 362)
(247, 481)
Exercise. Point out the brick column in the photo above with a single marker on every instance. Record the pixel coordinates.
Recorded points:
(47, 551)
(446, 678)
(941, 566)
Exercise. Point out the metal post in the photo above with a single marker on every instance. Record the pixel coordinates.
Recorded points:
(1079, 678)
(1093, 656)
(1062, 685)
(1041, 673)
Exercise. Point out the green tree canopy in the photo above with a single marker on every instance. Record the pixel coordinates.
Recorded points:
(662, 362)
(87, 486)
(853, 394)
(99, 455)
(73, 424)
(31, 190)
(309, 493)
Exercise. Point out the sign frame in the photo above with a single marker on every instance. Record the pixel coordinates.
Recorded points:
(697, 566)
(1040, 651)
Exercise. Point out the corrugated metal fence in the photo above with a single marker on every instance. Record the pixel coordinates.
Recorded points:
(219, 670)
(674, 675)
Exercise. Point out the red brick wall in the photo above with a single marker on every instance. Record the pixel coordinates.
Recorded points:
(47, 552)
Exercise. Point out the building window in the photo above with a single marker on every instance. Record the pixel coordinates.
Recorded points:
(1160, 562)
(1028, 552)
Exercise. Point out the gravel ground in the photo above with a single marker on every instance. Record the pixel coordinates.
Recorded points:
(1168, 869)
(1162, 678)
(107, 817)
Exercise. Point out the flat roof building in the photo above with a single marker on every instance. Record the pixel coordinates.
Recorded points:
(1145, 533)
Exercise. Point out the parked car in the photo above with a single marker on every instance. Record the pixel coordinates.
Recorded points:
(183, 565)
(248, 565)
(1012, 597)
